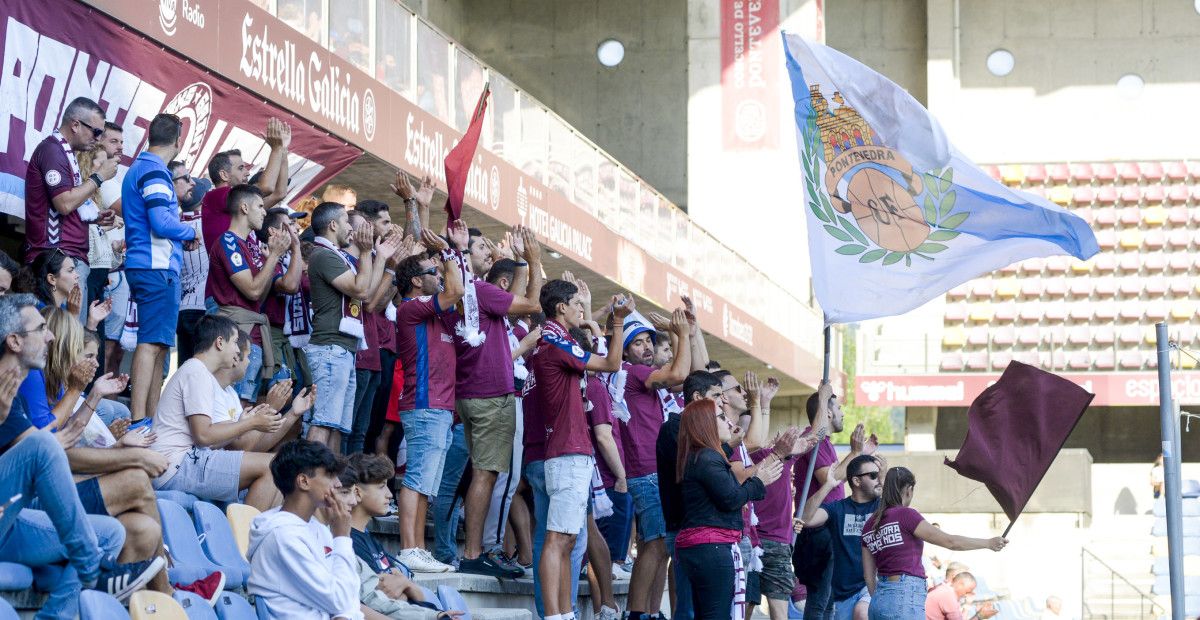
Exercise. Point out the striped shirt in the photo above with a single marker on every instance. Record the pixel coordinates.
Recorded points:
(154, 233)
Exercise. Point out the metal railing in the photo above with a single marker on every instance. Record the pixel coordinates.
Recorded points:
(1119, 588)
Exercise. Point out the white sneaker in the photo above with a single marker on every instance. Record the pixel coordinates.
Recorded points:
(420, 561)
(607, 613)
(619, 572)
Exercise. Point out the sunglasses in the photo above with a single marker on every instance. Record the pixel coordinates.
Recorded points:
(96, 131)
(183, 177)
(432, 271)
(873, 475)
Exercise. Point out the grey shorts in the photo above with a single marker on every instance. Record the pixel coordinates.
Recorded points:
(206, 473)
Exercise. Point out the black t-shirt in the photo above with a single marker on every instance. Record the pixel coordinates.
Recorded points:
(846, 520)
(666, 450)
(370, 551)
(16, 423)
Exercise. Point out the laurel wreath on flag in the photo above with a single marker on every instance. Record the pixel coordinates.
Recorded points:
(938, 210)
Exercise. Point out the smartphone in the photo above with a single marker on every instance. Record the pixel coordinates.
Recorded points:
(12, 500)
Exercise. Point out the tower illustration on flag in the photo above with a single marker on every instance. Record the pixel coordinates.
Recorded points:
(896, 215)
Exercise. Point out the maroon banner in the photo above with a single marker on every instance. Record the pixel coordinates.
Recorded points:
(750, 58)
(56, 50)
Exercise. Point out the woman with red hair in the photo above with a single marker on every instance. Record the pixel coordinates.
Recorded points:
(707, 545)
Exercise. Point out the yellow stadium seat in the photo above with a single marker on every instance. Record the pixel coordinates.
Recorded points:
(1148, 335)
(1155, 215)
(1083, 266)
(1131, 238)
(1061, 195)
(1186, 362)
(981, 312)
(240, 516)
(954, 337)
(1008, 287)
(1183, 310)
(151, 605)
(1012, 174)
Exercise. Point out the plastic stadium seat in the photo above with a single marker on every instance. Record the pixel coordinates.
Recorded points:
(234, 607)
(1177, 215)
(1106, 238)
(1106, 262)
(1081, 287)
(1004, 335)
(1081, 173)
(1180, 287)
(1080, 334)
(1106, 195)
(1177, 171)
(1008, 288)
(1196, 192)
(1055, 311)
(1129, 360)
(97, 605)
(1104, 312)
(1028, 335)
(1104, 287)
(1184, 334)
(1036, 190)
(219, 544)
(952, 361)
(451, 599)
(1179, 238)
(1083, 195)
(1130, 287)
(1130, 334)
(959, 292)
(1178, 194)
(1130, 262)
(1056, 287)
(15, 577)
(1191, 508)
(195, 606)
(982, 288)
(1183, 310)
(1061, 195)
(1152, 171)
(151, 605)
(8, 613)
(977, 336)
(981, 312)
(1180, 261)
(1026, 357)
(977, 361)
(1081, 266)
(1130, 239)
(180, 537)
(1148, 335)
(1129, 172)
(1032, 265)
(1000, 360)
(1131, 194)
(1010, 268)
(992, 171)
(1105, 172)
(1059, 173)
(1054, 334)
(179, 497)
(1032, 287)
(954, 337)
(1012, 174)
(1154, 215)
(1154, 194)
(1154, 262)
(1105, 360)
(1036, 173)
(1080, 312)
(1104, 334)
(1104, 216)
(240, 516)
(956, 313)
(1030, 312)
(1157, 286)
(1006, 312)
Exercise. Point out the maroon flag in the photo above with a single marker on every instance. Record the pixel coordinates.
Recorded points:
(1015, 428)
(458, 162)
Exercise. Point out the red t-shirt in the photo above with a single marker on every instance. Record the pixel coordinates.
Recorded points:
(231, 255)
(486, 371)
(640, 434)
(426, 349)
(775, 511)
(214, 217)
(48, 175)
(826, 457)
(895, 546)
(601, 413)
(556, 384)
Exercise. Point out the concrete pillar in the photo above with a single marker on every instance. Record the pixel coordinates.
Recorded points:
(920, 429)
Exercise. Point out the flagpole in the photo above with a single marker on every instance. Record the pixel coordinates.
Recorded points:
(812, 454)
(1171, 477)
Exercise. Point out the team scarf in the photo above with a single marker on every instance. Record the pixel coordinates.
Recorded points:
(557, 335)
(755, 565)
(520, 372)
(468, 328)
(88, 211)
(297, 314)
(351, 323)
(670, 402)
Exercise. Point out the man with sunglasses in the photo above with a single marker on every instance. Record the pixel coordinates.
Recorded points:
(58, 205)
(844, 520)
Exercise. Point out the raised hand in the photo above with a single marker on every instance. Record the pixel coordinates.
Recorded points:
(336, 514)
(108, 385)
(504, 248)
(679, 323)
(997, 543)
(803, 444)
(280, 241)
(304, 401)
(107, 168)
(97, 312)
(517, 240)
(285, 135)
(272, 134)
(770, 388)
(75, 300)
(278, 395)
(388, 246)
(363, 236)
(622, 306)
(871, 445)
(10, 380)
(661, 323)
(857, 438)
(433, 241)
(769, 470)
(119, 427)
(530, 247)
(402, 187)
(689, 309)
(459, 235)
(264, 419)
(753, 386)
(81, 374)
(425, 191)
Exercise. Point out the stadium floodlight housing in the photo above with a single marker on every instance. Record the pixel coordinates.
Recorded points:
(1130, 85)
(610, 52)
(1001, 62)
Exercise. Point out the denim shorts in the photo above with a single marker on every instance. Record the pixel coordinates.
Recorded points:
(844, 609)
(428, 435)
(247, 388)
(648, 505)
(91, 497)
(898, 600)
(332, 370)
(156, 292)
(118, 291)
(569, 486)
(206, 473)
(617, 527)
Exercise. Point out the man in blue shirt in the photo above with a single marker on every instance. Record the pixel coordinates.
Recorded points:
(845, 519)
(154, 236)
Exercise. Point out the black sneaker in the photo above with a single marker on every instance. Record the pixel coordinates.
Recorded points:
(506, 562)
(486, 564)
(122, 580)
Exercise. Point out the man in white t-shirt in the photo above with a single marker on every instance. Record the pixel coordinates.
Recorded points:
(191, 436)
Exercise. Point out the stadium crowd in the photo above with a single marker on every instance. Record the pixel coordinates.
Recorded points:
(326, 353)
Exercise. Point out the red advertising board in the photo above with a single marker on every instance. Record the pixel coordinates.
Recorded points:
(56, 50)
(1117, 389)
(750, 58)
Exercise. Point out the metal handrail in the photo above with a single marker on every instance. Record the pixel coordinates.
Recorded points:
(1155, 608)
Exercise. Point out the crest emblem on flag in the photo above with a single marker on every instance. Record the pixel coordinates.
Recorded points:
(873, 201)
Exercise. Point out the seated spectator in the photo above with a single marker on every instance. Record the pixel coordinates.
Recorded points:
(942, 603)
(299, 567)
(52, 279)
(190, 436)
(33, 466)
(229, 406)
(52, 395)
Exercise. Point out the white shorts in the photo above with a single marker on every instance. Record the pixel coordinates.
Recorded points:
(569, 485)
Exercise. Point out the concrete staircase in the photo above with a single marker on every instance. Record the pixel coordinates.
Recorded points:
(1117, 569)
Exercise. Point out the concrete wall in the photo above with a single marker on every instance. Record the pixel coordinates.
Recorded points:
(886, 35)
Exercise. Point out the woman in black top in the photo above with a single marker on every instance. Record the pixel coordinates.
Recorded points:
(707, 545)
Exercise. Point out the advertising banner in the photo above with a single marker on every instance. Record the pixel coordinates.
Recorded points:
(749, 64)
